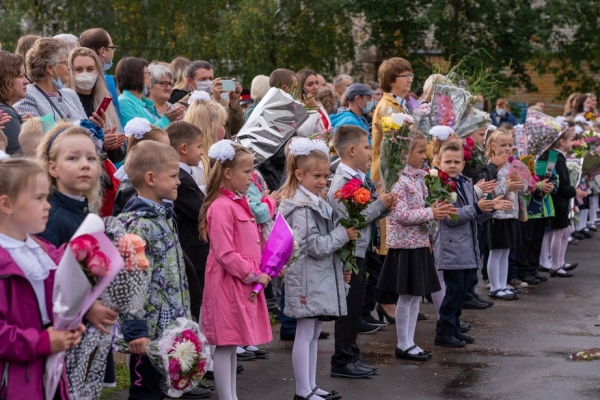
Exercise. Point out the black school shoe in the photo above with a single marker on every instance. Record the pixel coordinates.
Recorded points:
(196, 393)
(571, 267)
(351, 370)
(422, 317)
(539, 277)
(474, 304)
(211, 375)
(465, 338)
(465, 327)
(448, 341)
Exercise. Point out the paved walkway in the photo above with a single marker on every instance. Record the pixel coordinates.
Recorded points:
(521, 350)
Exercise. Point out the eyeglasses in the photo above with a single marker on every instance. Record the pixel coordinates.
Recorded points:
(165, 84)
(409, 76)
(113, 47)
(64, 62)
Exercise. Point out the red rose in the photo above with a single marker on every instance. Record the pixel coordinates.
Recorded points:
(443, 176)
(467, 153)
(347, 191)
(453, 186)
(82, 246)
(98, 263)
(470, 143)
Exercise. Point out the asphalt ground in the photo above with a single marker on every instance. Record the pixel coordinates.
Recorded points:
(521, 351)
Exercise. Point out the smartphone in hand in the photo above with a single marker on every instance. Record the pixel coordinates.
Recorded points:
(104, 105)
(228, 85)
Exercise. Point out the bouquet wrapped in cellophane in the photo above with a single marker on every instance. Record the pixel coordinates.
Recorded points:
(181, 355)
(395, 146)
(541, 131)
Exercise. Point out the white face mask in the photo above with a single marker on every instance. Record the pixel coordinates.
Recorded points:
(85, 80)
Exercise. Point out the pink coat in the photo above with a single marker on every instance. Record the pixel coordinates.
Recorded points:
(232, 269)
(25, 343)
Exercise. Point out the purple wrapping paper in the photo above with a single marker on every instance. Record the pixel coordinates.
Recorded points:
(278, 250)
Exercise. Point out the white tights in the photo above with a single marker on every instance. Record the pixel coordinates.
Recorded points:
(497, 269)
(560, 240)
(593, 214)
(583, 219)
(545, 254)
(407, 312)
(438, 296)
(304, 357)
(225, 370)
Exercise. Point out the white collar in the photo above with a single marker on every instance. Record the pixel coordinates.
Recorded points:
(313, 197)
(561, 152)
(352, 172)
(11, 243)
(185, 167)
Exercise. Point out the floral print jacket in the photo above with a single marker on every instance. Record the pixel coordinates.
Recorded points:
(405, 224)
(168, 296)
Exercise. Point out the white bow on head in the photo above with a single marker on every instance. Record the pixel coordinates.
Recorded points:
(137, 127)
(222, 151)
(199, 95)
(441, 132)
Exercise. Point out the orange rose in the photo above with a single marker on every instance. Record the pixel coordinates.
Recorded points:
(362, 196)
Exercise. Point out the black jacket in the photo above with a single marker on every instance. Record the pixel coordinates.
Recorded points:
(66, 214)
(565, 191)
(187, 214)
(488, 173)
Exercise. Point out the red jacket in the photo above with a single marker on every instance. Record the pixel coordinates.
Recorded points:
(24, 343)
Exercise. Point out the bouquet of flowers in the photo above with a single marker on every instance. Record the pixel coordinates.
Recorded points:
(520, 140)
(127, 293)
(327, 137)
(448, 104)
(277, 252)
(422, 115)
(394, 147)
(580, 148)
(524, 171)
(542, 131)
(440, 188)
(472, 120)
(355, 199)
(181, 355)
(90, 263)
(474, 154)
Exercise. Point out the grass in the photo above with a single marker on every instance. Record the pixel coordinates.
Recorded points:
(122, 381)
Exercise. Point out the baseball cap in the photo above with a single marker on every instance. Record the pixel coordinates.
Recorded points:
(359, 89)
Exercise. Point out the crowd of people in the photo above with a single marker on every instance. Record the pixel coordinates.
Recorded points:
(155, 146)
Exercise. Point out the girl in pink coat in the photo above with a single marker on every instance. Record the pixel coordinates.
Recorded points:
(229, 319)
(27, 266)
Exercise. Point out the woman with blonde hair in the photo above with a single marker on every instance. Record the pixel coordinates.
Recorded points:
(179, 68)
(428, 86)
(570, 105)
(210, 117)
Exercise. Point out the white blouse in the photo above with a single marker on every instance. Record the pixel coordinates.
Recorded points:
(35, 264)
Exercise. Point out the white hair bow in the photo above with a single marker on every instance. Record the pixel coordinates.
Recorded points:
(199, 95)
(137, 127)
(222, 151)
(441, 132)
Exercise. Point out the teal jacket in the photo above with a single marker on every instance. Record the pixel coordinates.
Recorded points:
(131, 107)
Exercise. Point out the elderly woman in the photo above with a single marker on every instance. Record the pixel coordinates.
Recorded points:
(70, 40)
(47, 68)
(13, 87)
(87, 79)
(133, 80)
(161, 88)
(258, 89)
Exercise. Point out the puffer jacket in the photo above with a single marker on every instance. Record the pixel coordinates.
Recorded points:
(314, 284)
(455, 242)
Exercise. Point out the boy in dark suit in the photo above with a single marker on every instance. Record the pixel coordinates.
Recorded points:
(186, 139)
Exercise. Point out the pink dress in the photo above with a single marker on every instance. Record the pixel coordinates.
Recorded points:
(232, 269)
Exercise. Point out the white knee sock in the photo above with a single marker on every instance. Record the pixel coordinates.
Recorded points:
(225, 365)
(545, 254)
(302, 359)
(438, 296)
(560, 238)
(493, 270)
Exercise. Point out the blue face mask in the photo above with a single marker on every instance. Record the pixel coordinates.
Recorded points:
(57, 82)
(107, 66)
(370, 106)
(145, 90)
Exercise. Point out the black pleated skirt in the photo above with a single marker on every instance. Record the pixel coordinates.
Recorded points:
(503, 234)
(409, 271)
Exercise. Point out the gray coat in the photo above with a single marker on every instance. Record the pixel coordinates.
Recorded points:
(314, 283)
(455, 243)
(374, 211)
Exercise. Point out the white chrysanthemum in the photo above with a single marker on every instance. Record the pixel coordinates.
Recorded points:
(301, 146)
(433, 173)
(199, 95)
(222, 150)
(321, 146)
(185, 352)
(399, 118)
(578, 129)
(137, 127)
(441, 132)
